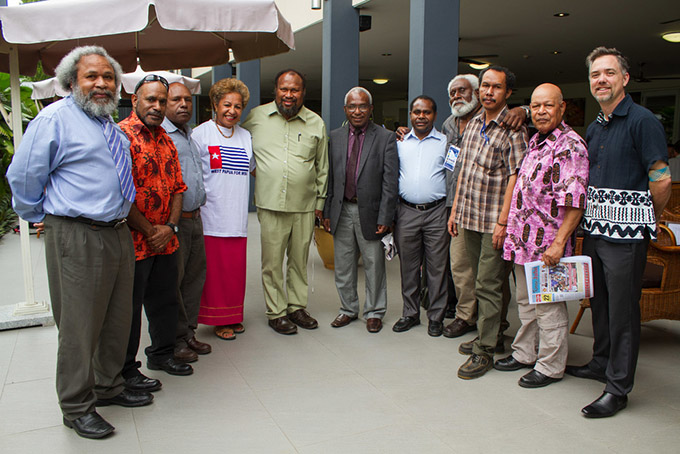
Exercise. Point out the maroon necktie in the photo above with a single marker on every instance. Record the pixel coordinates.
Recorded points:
(350, 175)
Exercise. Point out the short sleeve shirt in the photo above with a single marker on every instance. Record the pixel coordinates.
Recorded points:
(553, 175)
(158, 176)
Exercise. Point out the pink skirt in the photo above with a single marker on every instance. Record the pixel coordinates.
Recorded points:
(225, 281)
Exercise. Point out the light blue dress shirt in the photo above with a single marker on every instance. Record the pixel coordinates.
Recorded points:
(422, 176)
(190, 162)
(64, 167)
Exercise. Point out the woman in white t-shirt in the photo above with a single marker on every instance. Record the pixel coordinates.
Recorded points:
(227, 156)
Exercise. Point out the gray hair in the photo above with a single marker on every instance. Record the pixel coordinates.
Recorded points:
(601, 51)
(67, 70)
(360, 90)
(474, 81)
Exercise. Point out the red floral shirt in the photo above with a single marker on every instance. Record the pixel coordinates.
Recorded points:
(157, 175)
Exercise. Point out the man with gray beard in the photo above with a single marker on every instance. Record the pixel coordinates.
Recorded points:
(72, 172)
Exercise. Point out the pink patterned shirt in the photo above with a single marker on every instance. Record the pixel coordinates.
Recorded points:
(553, 175)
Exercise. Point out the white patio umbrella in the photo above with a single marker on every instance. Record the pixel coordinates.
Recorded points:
(157, 33)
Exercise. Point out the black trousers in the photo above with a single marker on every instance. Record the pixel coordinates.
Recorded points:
(617, 280)
(155, 288)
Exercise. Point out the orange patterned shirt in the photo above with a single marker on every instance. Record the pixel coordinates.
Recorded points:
(157, 175)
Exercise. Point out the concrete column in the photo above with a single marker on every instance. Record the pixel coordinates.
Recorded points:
(249, 73)
(340, 62)
(221, 72)
(433, 50)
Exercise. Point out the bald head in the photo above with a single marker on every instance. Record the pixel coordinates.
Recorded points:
(547, 107)
(180, 104)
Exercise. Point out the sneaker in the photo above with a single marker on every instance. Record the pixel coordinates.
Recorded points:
(475, 366)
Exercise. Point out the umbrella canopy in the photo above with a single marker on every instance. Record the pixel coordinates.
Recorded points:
(160, 33)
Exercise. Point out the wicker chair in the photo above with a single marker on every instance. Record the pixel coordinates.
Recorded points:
(660, 298)
(672, 211)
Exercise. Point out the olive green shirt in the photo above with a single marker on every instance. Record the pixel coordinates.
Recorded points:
(291, 158)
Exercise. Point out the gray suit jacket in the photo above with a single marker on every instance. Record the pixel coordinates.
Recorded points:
(377, 182)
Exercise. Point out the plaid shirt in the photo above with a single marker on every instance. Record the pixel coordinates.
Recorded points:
(489, 156)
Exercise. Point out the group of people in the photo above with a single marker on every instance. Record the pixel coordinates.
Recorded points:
(152, 214)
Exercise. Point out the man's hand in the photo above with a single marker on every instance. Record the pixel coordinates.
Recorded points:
(382, 229)
(401, 132)
(319, 215)
(452, 226)
(326, 224)
(515, 118)
(553, 254)
(161, 237)
(499, 234)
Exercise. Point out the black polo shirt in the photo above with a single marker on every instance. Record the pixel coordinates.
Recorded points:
(622, 151)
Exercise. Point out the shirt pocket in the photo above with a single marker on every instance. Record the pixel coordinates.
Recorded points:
(490, 159)
(305, 148)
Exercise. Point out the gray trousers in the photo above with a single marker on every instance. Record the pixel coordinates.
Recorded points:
(348, 242)
(90, 272)
(422, 236)
(191, 267)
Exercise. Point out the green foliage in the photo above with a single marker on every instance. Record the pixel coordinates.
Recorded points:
(8, 219)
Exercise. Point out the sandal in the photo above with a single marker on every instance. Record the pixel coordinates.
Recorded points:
(238, 328)
(225, 332)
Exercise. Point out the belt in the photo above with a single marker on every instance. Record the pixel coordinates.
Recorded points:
(191, 214)
(352, 200)
(423, 206)
(109, 224)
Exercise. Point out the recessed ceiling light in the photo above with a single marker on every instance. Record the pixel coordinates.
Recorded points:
(479, 66)
(672, 37)
(556, 52)
(561, 14)
(387, 54)
(380, 81)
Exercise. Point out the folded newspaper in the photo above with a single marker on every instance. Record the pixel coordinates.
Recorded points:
(571, 279)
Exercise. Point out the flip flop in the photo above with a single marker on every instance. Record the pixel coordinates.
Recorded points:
(238, 328)
(225, 332)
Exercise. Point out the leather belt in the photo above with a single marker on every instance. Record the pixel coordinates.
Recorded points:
(423, 206)
(352, 200)
(108, 224)
(191, 214)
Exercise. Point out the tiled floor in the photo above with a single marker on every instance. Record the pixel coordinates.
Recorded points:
(336, 390)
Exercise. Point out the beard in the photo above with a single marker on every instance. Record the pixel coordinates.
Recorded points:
(92, 107)
(464, 109)
(289, 112)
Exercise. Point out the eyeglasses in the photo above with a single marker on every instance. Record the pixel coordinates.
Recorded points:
(151, 78)
(362, 107)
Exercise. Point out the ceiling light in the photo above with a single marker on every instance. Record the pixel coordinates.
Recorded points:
(386, 54)
(556, 52)
(380, 81)
(672, 37)
(479, 65)
(561, 14)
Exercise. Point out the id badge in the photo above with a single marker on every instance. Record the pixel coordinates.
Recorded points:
(451, 157)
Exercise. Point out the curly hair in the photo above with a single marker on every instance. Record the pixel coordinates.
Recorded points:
(67, 70)
(224, 87)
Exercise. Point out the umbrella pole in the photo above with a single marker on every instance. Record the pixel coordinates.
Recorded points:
(30, 306)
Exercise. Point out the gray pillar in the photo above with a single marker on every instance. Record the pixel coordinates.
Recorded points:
(221, 72)
(249, 73)
(433, 51)
(3, 2)
(340, 63)
(194, 120)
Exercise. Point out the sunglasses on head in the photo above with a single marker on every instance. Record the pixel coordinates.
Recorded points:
(151, 78)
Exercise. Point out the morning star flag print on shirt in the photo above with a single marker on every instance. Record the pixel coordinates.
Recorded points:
(229, 160)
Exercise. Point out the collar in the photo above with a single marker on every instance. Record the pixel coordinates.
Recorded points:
(556, 133)
(480, 117)
(355, 131)
(621, 110)
(138, 127)
(434, 134)
(170, 127)
(273, 110)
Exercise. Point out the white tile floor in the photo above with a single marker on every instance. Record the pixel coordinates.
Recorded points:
(336, 390)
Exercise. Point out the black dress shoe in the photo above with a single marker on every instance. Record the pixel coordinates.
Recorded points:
(90, 425)
(171, 366)
(302, 319)
(405, 324)
(185, 355)
(510, 363)
(606, 405)
(585, 372)
(127, 398)
(435, 328)
(536, 379)
(342, 320)
(143, 383)
(457, 328)
(282, 325)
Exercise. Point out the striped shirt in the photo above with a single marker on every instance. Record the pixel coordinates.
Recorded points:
(489, 155)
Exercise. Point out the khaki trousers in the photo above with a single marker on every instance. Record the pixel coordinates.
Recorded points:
(285, 236)
(463, 280)
(542, 335)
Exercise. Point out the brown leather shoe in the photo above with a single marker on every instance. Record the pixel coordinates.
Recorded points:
(342, 320)
(185, 355)
(302, 319)
(199, 347)
(457, 328)
(373, 325)
(282, 325)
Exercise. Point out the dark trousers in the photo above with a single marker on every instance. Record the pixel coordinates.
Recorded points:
(155, 288)
(617, 280)
(191, 277)
(90, 272)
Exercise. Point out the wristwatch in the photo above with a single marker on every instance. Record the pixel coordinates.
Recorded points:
(174, 228)
(527, 111)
